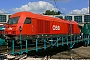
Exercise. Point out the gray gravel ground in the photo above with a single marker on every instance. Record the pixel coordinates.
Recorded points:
(81, 52)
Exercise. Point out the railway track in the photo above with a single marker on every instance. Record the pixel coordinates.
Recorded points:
(62, 55)
(4, 49)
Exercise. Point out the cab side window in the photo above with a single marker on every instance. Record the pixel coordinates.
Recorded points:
(27, 21)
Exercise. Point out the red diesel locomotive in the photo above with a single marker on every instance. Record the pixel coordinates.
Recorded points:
(31, 26)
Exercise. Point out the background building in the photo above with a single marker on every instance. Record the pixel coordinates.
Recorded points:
(4, 18)
(80, 18)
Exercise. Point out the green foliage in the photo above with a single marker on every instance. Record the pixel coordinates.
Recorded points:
(48, 12)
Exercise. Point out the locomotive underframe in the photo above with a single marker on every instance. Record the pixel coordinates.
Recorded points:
(39, 36)
(44, 43)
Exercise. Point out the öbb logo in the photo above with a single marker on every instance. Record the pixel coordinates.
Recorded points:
(56, 27)
(9, 28)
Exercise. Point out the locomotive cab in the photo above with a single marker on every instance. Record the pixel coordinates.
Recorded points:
(14, 23)
(11, 26)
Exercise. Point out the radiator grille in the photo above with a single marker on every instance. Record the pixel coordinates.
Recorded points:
(43, 26)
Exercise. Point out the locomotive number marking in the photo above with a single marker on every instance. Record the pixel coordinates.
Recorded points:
(56, 27)
(9, 28)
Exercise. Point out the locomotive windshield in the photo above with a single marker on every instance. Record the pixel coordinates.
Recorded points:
(13, 20)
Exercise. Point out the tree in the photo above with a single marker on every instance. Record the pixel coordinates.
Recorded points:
(48, 12)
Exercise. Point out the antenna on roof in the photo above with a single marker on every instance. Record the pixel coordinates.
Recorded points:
(89, 6)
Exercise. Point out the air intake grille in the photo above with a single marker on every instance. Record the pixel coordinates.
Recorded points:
(43, 26)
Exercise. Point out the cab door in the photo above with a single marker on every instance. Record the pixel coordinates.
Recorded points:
(27, 26)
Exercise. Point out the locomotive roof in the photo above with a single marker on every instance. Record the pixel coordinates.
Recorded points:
(37, 16)
(73, 22)
(28, 14)
(25, 13)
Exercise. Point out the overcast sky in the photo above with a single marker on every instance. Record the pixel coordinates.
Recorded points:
(40, 6)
